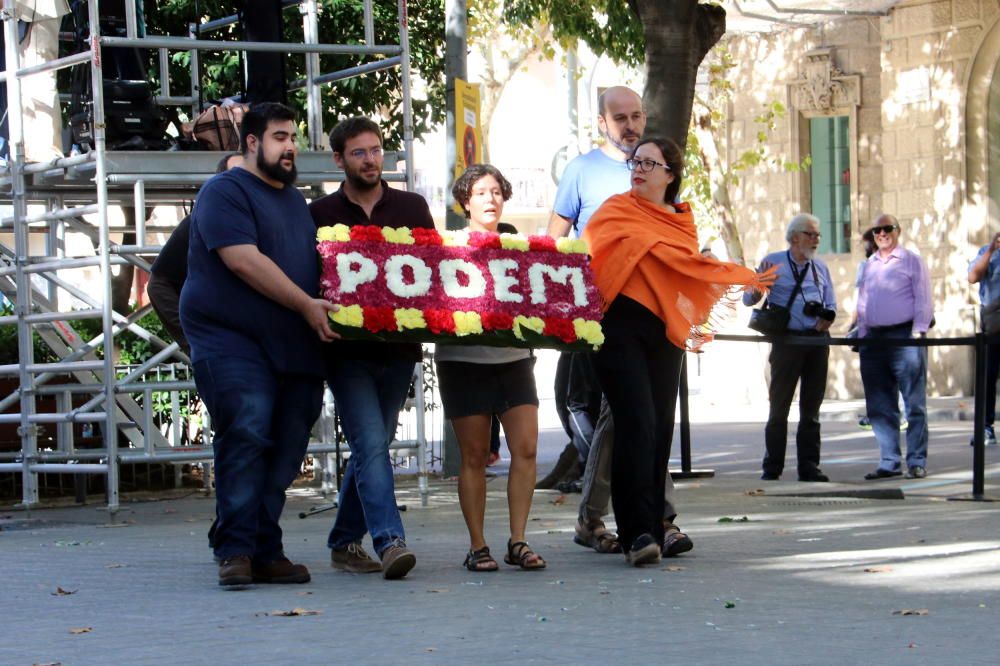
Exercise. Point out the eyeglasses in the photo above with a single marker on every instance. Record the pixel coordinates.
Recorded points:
(361, 153)
(815, 235)
(886, 229)
(645, 166)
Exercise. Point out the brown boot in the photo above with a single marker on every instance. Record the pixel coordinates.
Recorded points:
(354, 559)
(235, 571)
(281, 570)
(397, 560)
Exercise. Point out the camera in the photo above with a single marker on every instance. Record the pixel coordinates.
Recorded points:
(816, 309)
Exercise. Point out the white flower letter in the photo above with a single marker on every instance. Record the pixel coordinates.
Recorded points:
(571, 275)
(394, 276)
(503, 281)
(354, 269)
(450, 268)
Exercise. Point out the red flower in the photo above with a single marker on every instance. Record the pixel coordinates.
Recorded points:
(542, 243)
(379, 319)
(560, 328)
(439, 321)
(497, 321)
(423, 236)
(366, 233)
(484, 239)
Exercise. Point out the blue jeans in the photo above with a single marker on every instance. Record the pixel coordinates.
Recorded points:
(369, 396)
(884, 372)
(262, 420)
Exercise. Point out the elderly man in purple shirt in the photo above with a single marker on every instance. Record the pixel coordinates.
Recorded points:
(895, 302)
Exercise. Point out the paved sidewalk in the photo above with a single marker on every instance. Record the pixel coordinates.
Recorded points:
(800, 580)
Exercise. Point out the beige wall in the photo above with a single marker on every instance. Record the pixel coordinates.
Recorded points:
(910, 159)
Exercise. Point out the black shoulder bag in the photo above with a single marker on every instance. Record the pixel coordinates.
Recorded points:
(771, 319)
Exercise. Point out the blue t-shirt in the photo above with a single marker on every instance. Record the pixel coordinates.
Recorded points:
(989, 286)
(221, 314)
(816, 286)
(587, 183)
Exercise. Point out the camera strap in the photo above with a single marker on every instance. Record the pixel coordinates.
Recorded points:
(799, 277)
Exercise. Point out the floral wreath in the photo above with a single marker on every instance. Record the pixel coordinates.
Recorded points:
(422, 285)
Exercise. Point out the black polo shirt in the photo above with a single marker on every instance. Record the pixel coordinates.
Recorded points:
(396, 208)
(172, 262)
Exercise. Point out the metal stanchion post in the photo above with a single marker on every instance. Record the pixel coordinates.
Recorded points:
(685, 428)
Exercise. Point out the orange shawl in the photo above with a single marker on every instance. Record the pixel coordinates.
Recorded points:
(651, 255)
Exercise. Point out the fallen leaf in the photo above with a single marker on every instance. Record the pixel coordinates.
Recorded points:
(302, 594)
(877, 569)
(908, 611)
(295, 612)
(605, 592)
(440, 590)
(115, 566)
(752, 493)
(728, 519)
(559, 500)
(730, 604)
(60, 592)
(429, 649)
(47, 663)
(81, 630)
(912, 645)
(673, 567)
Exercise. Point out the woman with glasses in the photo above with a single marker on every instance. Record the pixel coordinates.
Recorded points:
(477, 382)
(659, 290)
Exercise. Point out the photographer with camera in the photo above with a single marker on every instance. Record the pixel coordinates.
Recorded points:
(803, 286)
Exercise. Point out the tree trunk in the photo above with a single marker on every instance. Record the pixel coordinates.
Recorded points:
(678, 34)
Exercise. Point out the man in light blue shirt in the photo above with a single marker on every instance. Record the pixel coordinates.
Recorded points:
(813, 308)
(985, 271)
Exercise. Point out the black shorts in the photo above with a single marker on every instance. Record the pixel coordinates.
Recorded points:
(468, 389)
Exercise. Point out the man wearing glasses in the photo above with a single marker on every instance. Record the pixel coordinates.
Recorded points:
(369, 380)
(894, 302)
(804, 287)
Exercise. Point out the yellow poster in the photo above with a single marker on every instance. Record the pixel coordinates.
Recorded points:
(468, 135)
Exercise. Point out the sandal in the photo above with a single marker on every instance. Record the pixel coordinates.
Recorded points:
(519, 554)
(600, 539)
(675, 542)
(480, 560)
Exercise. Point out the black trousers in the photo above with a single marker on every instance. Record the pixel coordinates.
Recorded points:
(560, 388)
(992, 370)
(639, 370)
(806, 367)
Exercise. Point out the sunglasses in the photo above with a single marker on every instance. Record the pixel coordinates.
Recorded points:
(886, 229)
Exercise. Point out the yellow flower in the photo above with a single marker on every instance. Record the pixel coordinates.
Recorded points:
(399, 235)
(514, 242)
(409, 318)
(341, 233)
(571, 245)
(521, 322)
(589, 331)
(454, 238)
(467, 323)
(325, 234)
(349, 315)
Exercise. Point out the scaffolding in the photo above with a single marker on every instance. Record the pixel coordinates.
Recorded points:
(76, 193)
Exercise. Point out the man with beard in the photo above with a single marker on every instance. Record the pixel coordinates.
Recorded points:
(254, 323)
(804, 287)
(894, 302)
(369, 380)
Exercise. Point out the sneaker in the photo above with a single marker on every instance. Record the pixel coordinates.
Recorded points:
(397, 560)
(916, 472)
(644, 550)
(354, 559)
(989, 437)
(235, 571)
(280, 571)
(864, 423)
(675, 542)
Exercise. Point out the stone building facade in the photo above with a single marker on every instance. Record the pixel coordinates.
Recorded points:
(911, 96)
